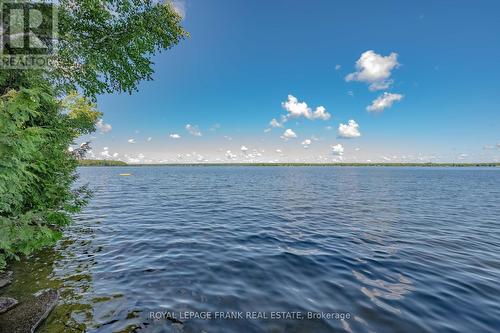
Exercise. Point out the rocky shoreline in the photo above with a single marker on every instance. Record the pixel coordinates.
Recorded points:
(26, 316)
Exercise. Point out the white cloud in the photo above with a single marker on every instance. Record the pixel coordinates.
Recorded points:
(105, 153)
(297, 109)
(306, 143)
(174, 136)
(103, 127)
(131, 140)
(288, 134)
(244, 149)
(321, 113)
(193, 130)
(230, 155)
(179, 7)
(275, 123)
(278, 151)
(374, 69)
(383, 102)
(338, 150)
(149, 139)
(337, 67)
(349, 130)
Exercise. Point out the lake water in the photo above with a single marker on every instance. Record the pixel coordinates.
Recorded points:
(390, 249)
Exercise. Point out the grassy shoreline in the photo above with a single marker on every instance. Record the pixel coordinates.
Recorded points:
(120, 163)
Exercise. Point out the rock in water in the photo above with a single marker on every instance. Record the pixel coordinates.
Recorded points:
(28, 315)
(6, 303)
(5, 278)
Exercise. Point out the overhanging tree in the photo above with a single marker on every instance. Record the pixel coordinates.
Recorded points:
(103, 47)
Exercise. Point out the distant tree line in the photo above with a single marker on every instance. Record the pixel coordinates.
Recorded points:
(87, 162)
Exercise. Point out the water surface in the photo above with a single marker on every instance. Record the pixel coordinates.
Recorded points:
(398, 249)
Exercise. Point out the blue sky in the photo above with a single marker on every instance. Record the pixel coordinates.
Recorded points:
(437, 62)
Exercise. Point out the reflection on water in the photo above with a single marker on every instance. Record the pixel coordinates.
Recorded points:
(399, 249)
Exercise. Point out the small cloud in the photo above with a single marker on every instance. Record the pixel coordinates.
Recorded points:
(288, 134)
(244, 149)
(229, 155)
(374, 69)
(214, 127)
(350, 93)
(103, 127)
(193, 130)
(105, 153)
(349, 130)
(149, 139)
(179, 7)
(383, 102)
(297, 109)
(278, 151)
(306, 143)
(275, 123)
(228, 138)
(337, 67)
(131, 140)
(338, 150)
(321, 113)
(328, 128)
(174, 136)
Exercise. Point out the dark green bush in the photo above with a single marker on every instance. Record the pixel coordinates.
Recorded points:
(36, 169)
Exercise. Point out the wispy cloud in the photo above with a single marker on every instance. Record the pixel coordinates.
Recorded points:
(383, 102)
(179, 7)
(102, 127)
(193, 130)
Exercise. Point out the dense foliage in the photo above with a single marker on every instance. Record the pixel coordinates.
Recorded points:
(104, 46)
(37, 170)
